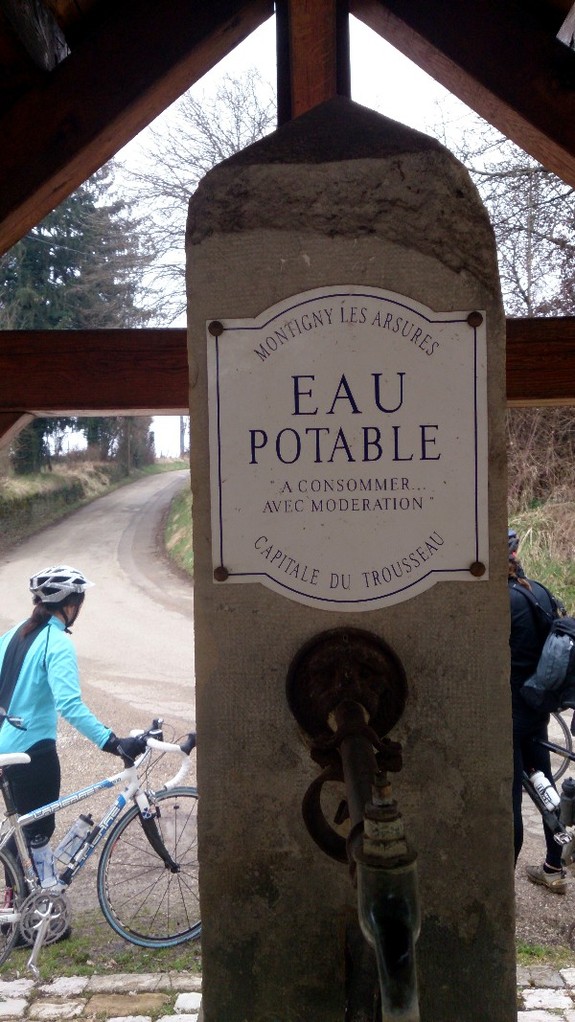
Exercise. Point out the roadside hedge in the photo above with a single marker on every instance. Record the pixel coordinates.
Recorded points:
(23, 514)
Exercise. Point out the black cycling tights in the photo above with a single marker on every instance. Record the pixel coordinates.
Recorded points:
(35, 784)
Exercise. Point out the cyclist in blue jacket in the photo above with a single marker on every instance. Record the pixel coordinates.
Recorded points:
(526, 640)
(39, 680)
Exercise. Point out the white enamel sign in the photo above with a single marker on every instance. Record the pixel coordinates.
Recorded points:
(348, 445)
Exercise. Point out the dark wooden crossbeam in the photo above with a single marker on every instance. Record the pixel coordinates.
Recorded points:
(541, 361)
(502, 59)
(127, 72)
(145, 372)
(107, 372)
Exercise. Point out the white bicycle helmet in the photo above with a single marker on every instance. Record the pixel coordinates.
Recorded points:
(56, 583)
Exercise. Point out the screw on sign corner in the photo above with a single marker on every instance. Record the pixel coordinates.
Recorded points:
(475, 319)
(477, 569)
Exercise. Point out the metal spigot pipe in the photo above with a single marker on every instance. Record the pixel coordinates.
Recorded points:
(357, 758)
(388, 903)
(388, 907)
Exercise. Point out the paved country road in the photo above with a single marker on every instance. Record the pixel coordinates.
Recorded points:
(134, 635)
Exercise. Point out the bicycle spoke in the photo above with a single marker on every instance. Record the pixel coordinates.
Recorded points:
(142, 898)
(13, 895)
(560, 734)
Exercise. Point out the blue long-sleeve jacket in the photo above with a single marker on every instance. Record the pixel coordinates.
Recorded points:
(48, 685)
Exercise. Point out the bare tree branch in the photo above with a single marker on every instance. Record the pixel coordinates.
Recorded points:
(202, 131)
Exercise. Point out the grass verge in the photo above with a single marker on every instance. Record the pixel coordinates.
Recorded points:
(542, 954)
(178, 533)
(95, 948)
(547, 543)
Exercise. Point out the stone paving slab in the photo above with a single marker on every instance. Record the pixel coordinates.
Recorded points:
(538, 1016)
(545, 998)
(14, 1008)
(546, 994)
(132, 1018)
(47, 1010)
(124, 997)
(122, 1005)
(173, 1018)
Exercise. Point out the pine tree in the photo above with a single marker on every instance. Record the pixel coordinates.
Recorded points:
(82, 267)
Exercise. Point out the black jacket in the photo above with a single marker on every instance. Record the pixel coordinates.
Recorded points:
(529, 629)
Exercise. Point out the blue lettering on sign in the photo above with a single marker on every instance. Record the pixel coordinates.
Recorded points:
(324, 445)
(333, 444)
(291, 329)
(343, 392)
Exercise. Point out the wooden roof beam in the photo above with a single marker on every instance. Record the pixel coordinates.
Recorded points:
(93, 372)
(312, 54)
(97, 99)
(11, 423)
(541, 361)
(501, 59)
(145, 371)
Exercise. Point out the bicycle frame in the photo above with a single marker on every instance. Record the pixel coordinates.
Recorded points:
(557, 748)
(562, 835)
(14, 827)
(13, 824)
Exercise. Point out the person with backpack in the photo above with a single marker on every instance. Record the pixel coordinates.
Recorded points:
(39, 679)
(533, 609)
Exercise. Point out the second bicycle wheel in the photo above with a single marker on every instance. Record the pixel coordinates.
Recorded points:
(559, 734)
(13, 894)
(145, 901)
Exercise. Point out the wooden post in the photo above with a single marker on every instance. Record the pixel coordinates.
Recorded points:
(313, 54)
(10, 425)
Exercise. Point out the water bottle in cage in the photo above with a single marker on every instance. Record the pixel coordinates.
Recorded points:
(568, 802)
(74, 839)
(545, 790)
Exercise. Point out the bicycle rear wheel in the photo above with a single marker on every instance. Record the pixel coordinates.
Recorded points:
(559, 734)
(145, 901)
(12, 897)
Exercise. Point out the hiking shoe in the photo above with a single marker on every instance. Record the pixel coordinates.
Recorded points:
(555, 882)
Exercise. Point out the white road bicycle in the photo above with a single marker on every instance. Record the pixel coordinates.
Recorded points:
(147, 879)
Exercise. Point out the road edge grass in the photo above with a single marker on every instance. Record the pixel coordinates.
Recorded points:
(557, 956)
(178, 533)
(95, 949)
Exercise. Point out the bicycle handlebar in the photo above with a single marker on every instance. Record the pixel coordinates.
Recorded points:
(161, 746)
(183, 750)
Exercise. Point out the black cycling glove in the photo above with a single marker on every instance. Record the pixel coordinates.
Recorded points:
(127, 748)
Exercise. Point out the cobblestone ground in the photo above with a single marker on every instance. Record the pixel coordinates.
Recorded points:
(173, 997)
(545, 995)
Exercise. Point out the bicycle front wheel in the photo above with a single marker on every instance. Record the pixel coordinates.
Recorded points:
(144, 900)
(559, 734)
(13, 896)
